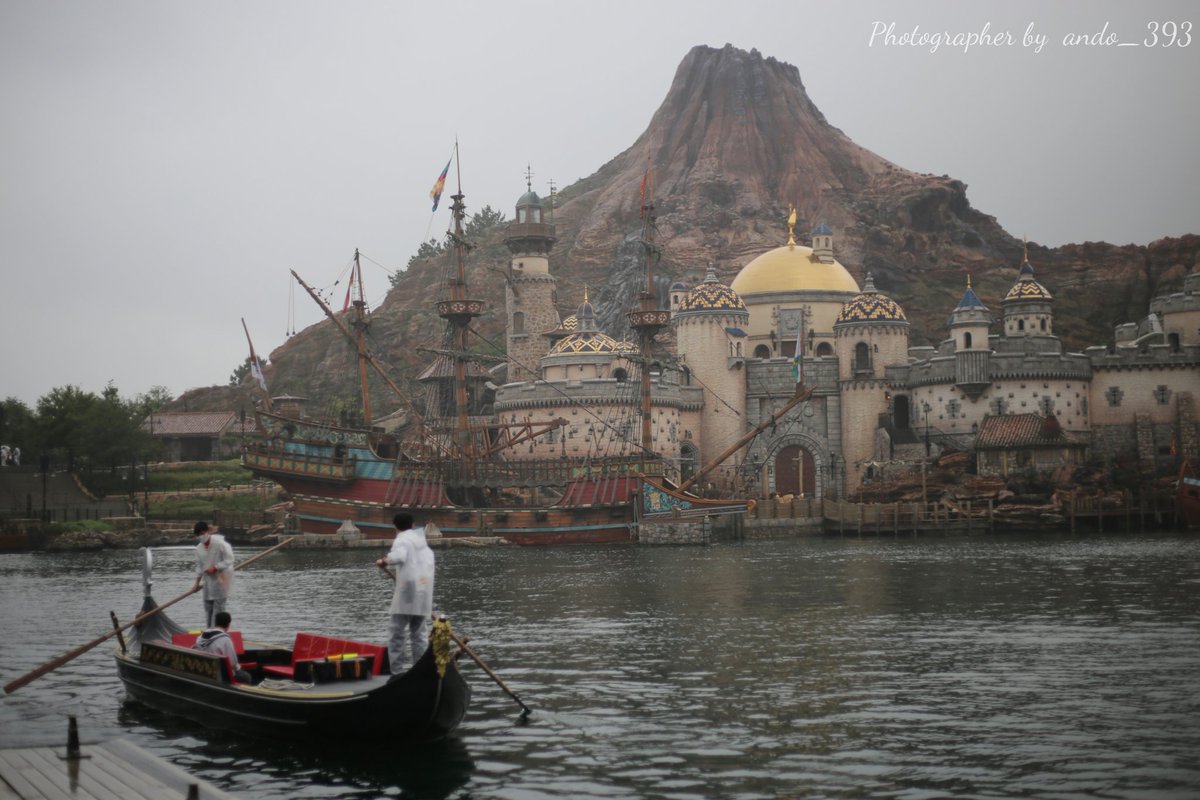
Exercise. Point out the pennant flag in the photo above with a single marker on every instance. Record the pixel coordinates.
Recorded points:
(350, 285)
(255, 364)
(435, 193)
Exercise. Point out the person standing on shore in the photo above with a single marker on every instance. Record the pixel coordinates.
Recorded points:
(214, 570)
(412, 598)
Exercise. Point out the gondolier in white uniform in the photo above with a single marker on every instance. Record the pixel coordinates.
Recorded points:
(412, 599)
(214, 569)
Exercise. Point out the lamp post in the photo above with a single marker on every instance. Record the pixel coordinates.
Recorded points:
(926, 408)
(924, 492)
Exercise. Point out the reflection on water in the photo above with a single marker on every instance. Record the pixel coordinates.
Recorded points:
(963, 666)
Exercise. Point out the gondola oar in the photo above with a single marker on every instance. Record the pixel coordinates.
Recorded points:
(525, 710)
(54, 664)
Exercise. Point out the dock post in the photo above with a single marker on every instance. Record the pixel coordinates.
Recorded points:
(72, 738)
(1072, 500)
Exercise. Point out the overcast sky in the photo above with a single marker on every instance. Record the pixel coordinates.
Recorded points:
(164, 164)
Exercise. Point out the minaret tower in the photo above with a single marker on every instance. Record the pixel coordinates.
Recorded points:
(1028, 307)
(530, 291)
(969, 324)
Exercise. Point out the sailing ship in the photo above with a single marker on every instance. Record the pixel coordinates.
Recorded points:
(458, 470)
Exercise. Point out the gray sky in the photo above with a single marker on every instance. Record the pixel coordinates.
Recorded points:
(164, 164)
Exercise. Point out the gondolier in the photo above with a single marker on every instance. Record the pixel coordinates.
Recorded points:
(412, 599)
(214, 570)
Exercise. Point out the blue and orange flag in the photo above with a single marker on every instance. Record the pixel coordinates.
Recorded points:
(436, 192)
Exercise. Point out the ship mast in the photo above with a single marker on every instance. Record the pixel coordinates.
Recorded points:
(360, 340)
(458, 310)
(647, 319)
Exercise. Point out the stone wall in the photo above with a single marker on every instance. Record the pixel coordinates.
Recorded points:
(675, 531)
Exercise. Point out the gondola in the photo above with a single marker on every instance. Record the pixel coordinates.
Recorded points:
(322, 687)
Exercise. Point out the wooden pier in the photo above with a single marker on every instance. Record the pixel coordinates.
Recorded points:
(114, 770)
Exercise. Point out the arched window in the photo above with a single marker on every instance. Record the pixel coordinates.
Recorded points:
(688, 460)
(967, 340)
(862, 357)
(1043, 321)
(824, 349)
(620, 375)
(518, 323)
(1020, 324)
(1173, 341)
(762, 351)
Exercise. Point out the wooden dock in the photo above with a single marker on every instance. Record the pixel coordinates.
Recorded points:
(114, 770)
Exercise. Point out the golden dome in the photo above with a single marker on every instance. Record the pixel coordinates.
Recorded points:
(792, 268)
(871, 306)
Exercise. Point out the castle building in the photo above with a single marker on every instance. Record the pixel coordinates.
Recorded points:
(795, 315)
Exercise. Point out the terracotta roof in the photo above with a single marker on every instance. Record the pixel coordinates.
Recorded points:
(190, 423)
(1022, 430)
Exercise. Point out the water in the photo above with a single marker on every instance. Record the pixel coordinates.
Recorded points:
(986, 666)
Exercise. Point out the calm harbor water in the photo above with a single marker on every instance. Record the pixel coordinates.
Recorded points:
(1045, 666)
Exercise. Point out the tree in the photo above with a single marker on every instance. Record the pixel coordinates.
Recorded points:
(16, 424)
(92, 436)
(240, 372)
(481, 221)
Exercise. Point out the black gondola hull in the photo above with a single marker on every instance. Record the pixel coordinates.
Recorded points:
(418, 705)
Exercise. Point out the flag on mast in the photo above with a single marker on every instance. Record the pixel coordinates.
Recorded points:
(349, 289)
(255, 364)
(435, 193)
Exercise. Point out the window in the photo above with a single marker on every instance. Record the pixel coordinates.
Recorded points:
(953, 407)
(967, 340)
(762, 351)
(518, 322)
(824, 349)
(1114, 395)
(999, 406)
(862, 357)
(620, 375)
(1020, 324)
(1046, 404)
(1163, 395)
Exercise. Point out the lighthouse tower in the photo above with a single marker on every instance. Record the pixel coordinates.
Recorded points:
(530, 291)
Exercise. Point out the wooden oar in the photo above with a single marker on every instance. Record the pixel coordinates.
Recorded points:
(525, 710)
(54, 664)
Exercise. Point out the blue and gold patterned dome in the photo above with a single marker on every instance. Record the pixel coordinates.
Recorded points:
(586, 343)
(1026, 288)
(712, 295)
(871, 306)
(571, 323)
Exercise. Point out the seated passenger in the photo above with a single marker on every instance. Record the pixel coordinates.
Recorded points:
(217, 640)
